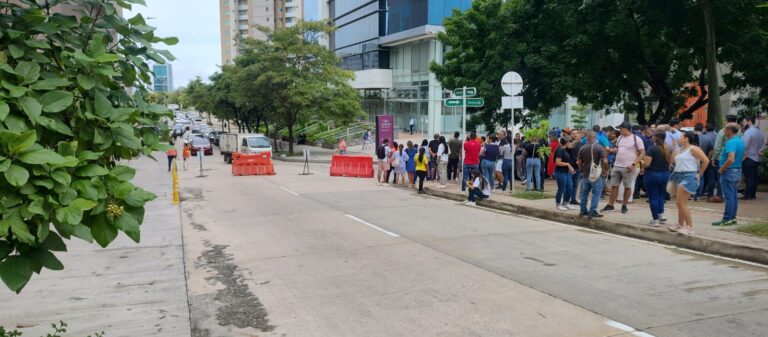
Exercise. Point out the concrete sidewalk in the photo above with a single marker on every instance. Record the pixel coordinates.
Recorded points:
(708, 239)
(127, 289)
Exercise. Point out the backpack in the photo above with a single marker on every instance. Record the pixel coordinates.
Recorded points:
(380, 152)
(595, 170)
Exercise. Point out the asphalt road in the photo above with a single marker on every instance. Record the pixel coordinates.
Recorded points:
(292, 255)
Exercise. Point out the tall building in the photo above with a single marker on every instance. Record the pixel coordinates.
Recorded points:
(162, 77)
(390, 44)
(243, 17)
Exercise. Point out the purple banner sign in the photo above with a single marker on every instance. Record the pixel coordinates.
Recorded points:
(385, 128)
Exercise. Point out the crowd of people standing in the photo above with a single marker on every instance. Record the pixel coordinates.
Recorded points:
(617, 164)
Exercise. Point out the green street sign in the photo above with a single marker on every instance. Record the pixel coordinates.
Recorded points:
(459, 92)
(454, 102)
(459, 102)
(475, 102)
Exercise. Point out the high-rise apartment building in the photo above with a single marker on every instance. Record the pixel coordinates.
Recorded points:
(243, 17)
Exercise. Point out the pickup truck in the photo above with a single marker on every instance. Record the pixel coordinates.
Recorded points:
(246, 143)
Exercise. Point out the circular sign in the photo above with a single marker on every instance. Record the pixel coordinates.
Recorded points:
(512, 83)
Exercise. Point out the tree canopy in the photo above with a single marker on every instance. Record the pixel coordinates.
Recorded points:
(643, 57)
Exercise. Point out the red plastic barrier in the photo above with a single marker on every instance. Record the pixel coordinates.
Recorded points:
(252, 164)
(352, 166)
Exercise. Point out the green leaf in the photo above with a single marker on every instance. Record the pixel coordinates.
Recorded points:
(15, 272)
(83, 204)
(41, 156)
(108, 58)
(16, 51)
(21, 231)
(39, 44)
(86, 82)
(28, 72)
(36, 207)
(31, 107)
(68, 161)
(123, 190)
(80, 56)
(43, 230)
(103, 233)
(54, 124)
(139, 197)
(91, 170)
(55, 243)
(22, 142)
(130, 226)
(102, 105)
(47, 183)
(16, 175)
(89, 155)
(170, 41)
(124, 136)
(61, 176)
(56, 101)
(14, 91)
(123, 172)
(83, 232)
(5, 249)
(50, 84)
(4, 165)
(4, 110)
(69, 215)
(47, 259)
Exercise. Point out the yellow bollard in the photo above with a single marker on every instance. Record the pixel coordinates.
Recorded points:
(175, 177)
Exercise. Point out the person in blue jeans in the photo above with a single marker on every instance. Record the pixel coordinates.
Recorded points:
(592, 154)
(532, 164)
(479, 188)
(563, 172)
(730, 173)
(657, 165)
(489, 154)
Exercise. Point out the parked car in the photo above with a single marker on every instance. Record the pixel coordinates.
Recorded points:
(214, 137)
(201, 144)
(247, 143)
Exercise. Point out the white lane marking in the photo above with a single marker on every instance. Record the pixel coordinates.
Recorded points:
(289, 191)
(372, 226)
(620, 326)
(642, 334)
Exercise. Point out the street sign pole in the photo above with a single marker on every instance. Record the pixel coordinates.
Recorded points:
(512, 84)
(464, 114)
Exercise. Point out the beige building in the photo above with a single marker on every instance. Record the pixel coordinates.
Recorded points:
(242, 18)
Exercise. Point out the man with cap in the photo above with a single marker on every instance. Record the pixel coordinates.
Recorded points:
(630, 152)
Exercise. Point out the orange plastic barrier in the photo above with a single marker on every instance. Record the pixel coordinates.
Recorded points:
(252, 164)
(352, 166)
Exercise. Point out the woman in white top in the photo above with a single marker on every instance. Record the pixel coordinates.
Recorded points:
(690, 163)
(479, 189)
(443, 151)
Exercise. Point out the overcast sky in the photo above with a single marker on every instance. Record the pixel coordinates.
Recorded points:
(196, 24)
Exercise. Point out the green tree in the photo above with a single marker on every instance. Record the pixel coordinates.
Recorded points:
(579, 118)
(66, 119)
(291, 79)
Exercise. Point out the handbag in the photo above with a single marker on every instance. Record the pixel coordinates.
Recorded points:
(595, 170)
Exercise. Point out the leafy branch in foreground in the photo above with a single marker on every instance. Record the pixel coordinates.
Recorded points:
(66, 119)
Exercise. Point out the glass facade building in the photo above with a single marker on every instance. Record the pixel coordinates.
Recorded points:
(400, 37)
(162, 77)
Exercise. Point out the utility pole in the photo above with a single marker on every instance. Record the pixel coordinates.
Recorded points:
(714, 110)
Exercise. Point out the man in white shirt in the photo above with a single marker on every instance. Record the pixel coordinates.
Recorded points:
(630, 151)
(411, 123)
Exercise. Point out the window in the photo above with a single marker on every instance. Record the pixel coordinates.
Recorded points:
(258, 142)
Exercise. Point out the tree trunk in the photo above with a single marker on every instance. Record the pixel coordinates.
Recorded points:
(714, 112)
(290, 139)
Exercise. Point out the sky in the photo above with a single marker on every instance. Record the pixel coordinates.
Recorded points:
(196, 24)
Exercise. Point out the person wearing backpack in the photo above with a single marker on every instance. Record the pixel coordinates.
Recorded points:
(630, 152)
(382, 154)
(593, 165)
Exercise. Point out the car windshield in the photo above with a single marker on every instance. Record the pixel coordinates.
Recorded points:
(258, 142)
(200, 142)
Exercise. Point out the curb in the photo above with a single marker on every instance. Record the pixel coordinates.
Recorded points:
(716, 247)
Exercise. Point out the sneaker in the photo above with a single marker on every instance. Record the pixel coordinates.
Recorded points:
(731, 222)
(473, 204)
(575, 203)
(674, 228)
(569, 207)
(386, 184)
(608, 208)
(685, 231)
(718, 223)
(595, 215)
(562, 208)
(654, 223)
(422, 192)
(583, 213)
(378, 184)
(662, 219)
(624, 209)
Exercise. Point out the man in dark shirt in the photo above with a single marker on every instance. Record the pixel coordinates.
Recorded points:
(433, 146)
(573, 149)
(453, 159)
(585, 161)
(707, 144)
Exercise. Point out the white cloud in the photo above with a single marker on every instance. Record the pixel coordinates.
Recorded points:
(196, 24)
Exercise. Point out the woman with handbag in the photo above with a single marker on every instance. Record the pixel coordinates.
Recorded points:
(657, 163)
(690, 163)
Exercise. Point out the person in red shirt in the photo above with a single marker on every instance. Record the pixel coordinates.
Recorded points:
(553, 145)
(471, 158)
(171, 153)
